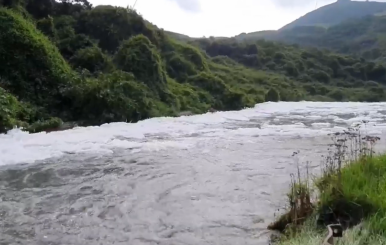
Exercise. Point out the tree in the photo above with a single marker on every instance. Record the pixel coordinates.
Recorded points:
(121, 25)
(10, 3)
(140, 57)
(40, 8)
(272, 95)
(336, 95)
(92, 59)
(46, 26)
(72, 7)
(31, 66)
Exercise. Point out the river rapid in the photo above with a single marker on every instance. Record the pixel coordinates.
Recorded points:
(216, 178)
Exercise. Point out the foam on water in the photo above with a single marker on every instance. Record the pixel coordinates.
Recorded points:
(268, 119)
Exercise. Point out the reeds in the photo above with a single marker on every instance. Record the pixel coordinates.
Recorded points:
(350, 190)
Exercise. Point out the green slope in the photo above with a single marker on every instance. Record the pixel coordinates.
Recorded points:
(337, 12)
(364, 36)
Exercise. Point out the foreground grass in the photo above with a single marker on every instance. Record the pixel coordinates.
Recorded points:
(311, 235)
(363, 189)
(351, 191)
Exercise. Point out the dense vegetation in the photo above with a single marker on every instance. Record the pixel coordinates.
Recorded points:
(364, 37)
(69, 61)
(322, 74)
(351, 191)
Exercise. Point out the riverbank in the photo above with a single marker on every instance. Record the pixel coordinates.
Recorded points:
(56, 124)
(351, 191)
(77, 71)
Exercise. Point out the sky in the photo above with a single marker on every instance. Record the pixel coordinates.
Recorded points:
(198, 18)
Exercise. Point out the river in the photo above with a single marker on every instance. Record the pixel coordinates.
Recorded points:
(205, 179)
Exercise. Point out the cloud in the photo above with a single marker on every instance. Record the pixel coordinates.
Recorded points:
(189, 5)
(299, 3)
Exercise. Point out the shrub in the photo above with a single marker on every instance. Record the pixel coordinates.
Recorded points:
(92, 59)
(39, 126)
(9, 107)
(110, 98)
(180, 68)
(336, 94)
(272, 95)
(31, 67)
(140, 57)
(47, 26)
(110, 25)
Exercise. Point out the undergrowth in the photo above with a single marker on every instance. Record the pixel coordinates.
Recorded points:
(351, 191)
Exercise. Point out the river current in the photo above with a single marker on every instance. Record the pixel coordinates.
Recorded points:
(216, 178)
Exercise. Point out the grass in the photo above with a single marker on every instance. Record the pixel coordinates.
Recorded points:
(351, 191)
(311, 235)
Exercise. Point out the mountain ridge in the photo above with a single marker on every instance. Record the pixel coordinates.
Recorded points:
(337, 12)
(364, 36)
(323, 17)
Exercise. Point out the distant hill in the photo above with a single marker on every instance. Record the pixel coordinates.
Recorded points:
(186, 38)
(349, 27)
(337, 12)
(365, 36)
(178, 36)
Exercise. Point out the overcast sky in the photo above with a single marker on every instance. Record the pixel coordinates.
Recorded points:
(198, 18)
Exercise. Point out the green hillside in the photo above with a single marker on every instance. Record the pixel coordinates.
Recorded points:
(338, 12)
(69, 61)
(365, 37)
(313, 68)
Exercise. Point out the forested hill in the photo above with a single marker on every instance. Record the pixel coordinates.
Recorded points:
(70, 61)
(365, 37)
(354, 28)
(335, 13)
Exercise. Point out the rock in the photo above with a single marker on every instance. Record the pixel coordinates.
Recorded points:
(185, 113)
(63, 126)
(67, 125)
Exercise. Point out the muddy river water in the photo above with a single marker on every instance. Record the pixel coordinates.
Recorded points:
(206, 179)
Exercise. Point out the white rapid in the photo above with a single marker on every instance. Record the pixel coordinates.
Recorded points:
(206, 179)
